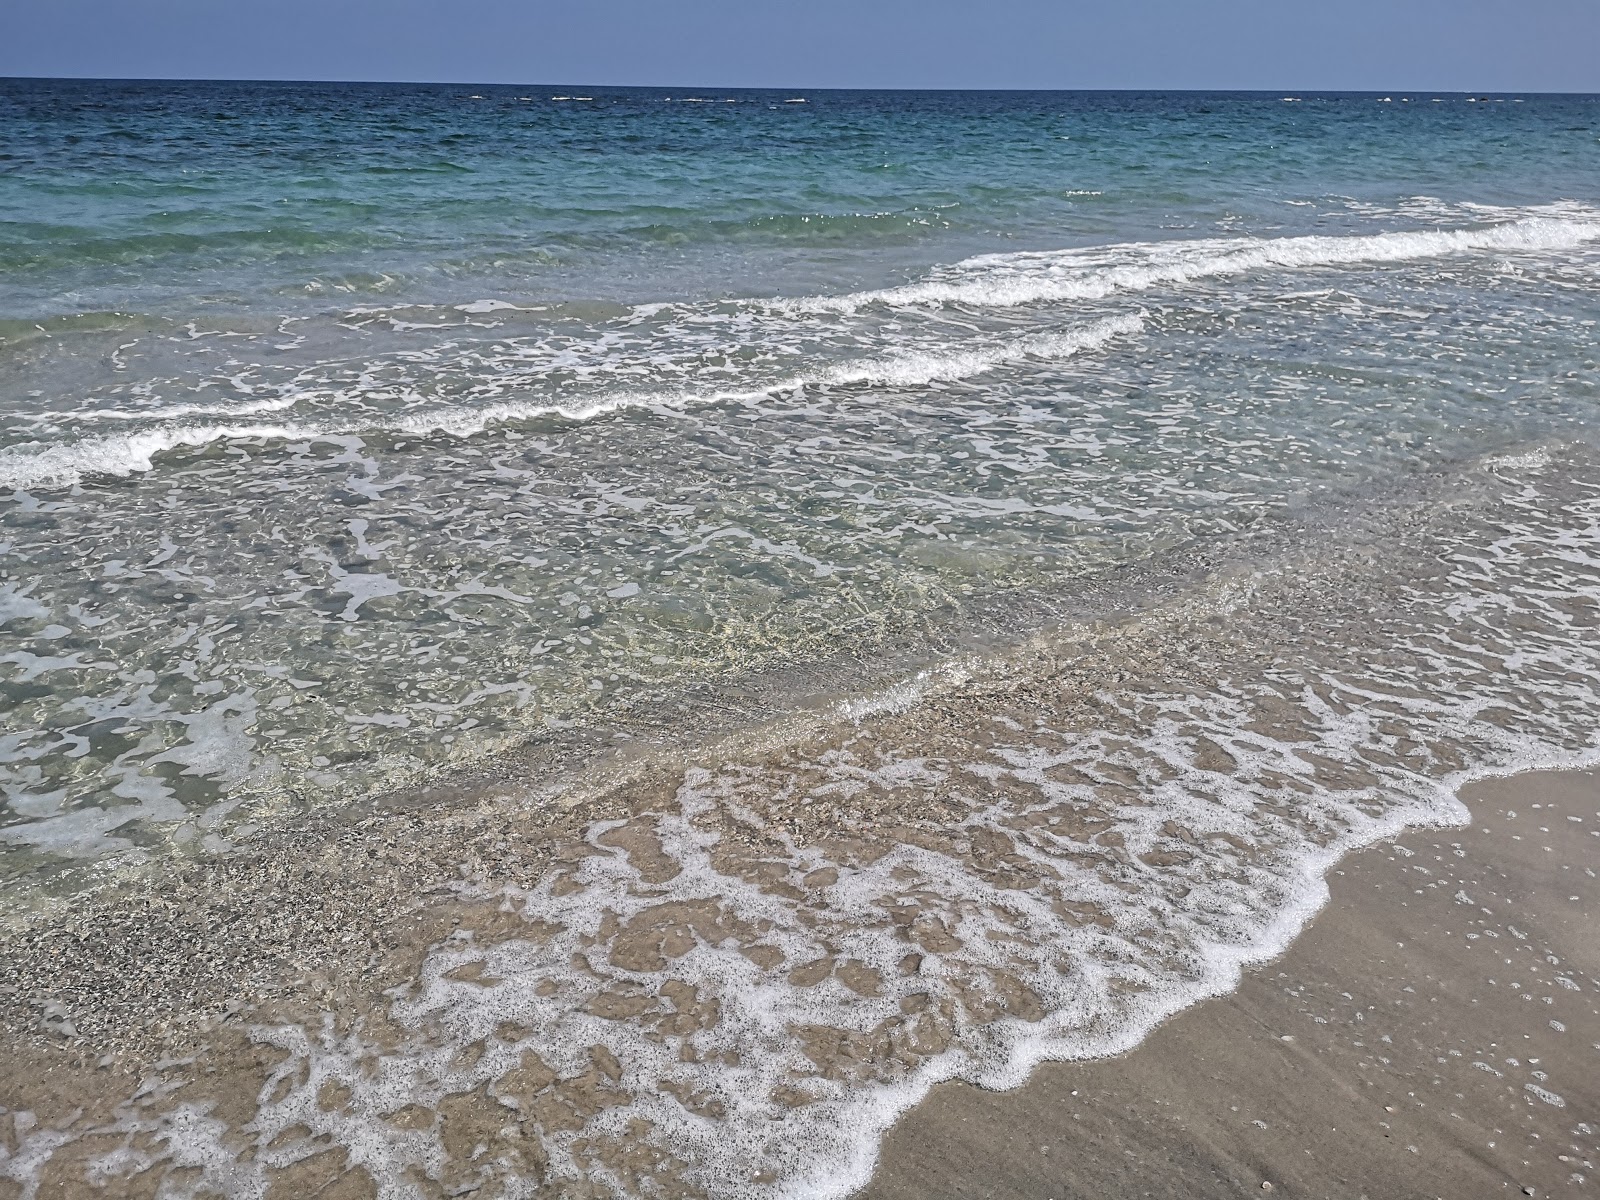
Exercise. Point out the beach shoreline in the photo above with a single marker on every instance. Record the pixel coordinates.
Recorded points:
(1405, 1045)
(250, 998)
(1387, 1052)
(532, 668)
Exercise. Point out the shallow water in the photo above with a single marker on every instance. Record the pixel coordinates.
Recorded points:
(1142, 499)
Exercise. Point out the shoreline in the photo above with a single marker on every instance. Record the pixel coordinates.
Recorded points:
(515, 970)
(1349, 1064)
(526, 699)
(1381, 1054)
(338, 868)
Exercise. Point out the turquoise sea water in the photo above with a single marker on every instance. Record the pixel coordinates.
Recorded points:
(1034, 534)
(355, 432)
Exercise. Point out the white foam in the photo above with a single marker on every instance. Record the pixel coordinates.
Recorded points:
(65, 464)
(179, 412)
(489, 306)
(912, 369)
(62, 465)
(1009, 280)
(828, 1147)
(908, 369)
(1530, 458)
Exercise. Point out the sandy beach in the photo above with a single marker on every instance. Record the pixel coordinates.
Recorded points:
(1434, 1033)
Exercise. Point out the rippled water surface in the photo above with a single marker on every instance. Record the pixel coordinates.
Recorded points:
(356, 432)
(354, 437)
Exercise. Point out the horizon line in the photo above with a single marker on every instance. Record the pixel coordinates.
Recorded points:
(795, 88)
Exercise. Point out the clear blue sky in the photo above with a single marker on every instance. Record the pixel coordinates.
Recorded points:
(1459, 45)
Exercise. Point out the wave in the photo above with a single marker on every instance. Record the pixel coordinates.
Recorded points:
(1096, 273)
(126, 454)
(908, 369)
(173, 412)
(993, 281)
(930, 367)
(1096, 871)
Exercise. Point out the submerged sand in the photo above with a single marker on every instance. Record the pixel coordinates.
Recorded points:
(721, 969)
(1434, 1033)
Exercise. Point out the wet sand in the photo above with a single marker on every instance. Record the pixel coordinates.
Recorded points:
(1434, 1033)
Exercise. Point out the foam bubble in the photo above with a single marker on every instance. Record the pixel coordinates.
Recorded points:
(1545, 1095)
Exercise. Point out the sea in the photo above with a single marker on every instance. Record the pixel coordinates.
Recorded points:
(1040, 533)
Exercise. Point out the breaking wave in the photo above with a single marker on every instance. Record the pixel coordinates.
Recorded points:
(1096, 273)
(132, 453)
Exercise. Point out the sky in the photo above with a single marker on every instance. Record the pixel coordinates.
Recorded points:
(1443, 45)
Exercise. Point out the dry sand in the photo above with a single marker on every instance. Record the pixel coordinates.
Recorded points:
(1434, 1033)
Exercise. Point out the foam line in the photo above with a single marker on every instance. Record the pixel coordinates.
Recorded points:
(125, 454)
(910, 369)
(1095, 273)
(132, 453)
